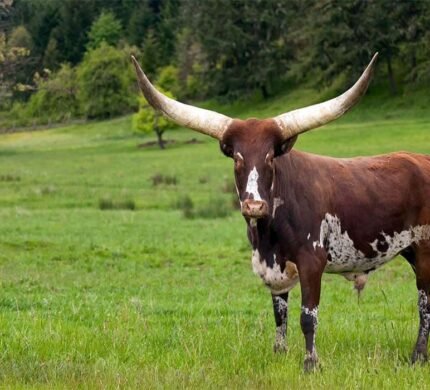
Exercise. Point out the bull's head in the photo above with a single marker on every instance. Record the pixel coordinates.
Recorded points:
(254, 143)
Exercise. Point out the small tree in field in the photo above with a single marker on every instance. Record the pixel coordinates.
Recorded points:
(147, 120)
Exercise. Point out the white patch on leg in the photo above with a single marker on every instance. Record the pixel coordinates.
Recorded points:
(311, 312)
(314, 314)
(345, 257)
(252, 184)
(278, 281)
(282, 308)
(424, 314)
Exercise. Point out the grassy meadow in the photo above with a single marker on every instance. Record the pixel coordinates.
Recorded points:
(105, 284)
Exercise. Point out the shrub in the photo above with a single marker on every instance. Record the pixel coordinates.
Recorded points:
(107, 203)
(9, 177)
(216, 207)
(56, 97)
(159, 178)
(185, 203)
(105, 82)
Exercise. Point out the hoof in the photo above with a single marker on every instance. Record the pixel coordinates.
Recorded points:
(280, 348)
(311, 362)
(419, 357)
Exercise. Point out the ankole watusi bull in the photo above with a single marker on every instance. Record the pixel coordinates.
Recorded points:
(308, 214)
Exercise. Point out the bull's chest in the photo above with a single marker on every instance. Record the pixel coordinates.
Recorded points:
(343, 256)
(278, 280)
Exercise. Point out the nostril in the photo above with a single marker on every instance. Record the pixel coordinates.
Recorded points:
(261, 206)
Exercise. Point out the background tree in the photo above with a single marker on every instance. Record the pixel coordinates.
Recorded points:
(241, 38)
(13, 61)
(56, 96)
(340, 36)
(146, 120)
(106, 85)
(215, 48)
(141, 20)
(106, 28)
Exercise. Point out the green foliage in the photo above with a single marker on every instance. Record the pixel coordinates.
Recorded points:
(347, 33)
(106, 28)
(168, 79)
(13, 61)
(217, 48)
(147, 119)
(105, 82)
(186, 205)
(151, 53)
(142, 19)
(215, 207)
(245, 44)
(56, 97)
(52, 55)
(107, 203)
(159, 178)
(20, 37)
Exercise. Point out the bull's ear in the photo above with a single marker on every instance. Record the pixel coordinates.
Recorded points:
(286, 146)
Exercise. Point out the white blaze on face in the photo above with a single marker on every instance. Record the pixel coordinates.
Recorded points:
(252, 184)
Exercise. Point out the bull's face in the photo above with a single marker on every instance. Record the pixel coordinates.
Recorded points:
(253, 145)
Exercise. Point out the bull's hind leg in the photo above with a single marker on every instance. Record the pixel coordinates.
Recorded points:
(422, 270)
(280, 309)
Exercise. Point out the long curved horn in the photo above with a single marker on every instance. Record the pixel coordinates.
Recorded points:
(298, 121)
(205, 121)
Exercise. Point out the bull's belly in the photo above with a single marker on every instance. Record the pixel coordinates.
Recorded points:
(344, 257)
(356, 265)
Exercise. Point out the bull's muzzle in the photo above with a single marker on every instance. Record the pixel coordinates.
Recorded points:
(255, 208)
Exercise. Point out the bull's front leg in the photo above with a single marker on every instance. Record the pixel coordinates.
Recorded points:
(280, 309)
(310, 269)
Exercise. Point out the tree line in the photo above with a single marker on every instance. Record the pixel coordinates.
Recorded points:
(70, 58)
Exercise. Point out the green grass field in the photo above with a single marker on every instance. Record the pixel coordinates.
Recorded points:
(146, 298)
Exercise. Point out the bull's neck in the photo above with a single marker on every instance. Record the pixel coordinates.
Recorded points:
(293, 176)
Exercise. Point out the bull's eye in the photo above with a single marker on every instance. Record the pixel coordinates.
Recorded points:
(269, 159)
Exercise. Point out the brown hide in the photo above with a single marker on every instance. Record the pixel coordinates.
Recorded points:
(370, 195)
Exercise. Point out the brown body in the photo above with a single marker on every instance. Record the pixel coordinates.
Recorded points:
(309, 214)
(369, 195)
(345, 216)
